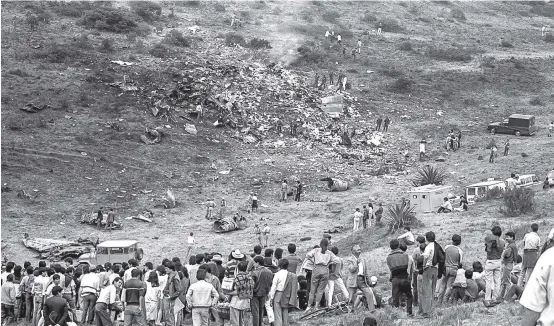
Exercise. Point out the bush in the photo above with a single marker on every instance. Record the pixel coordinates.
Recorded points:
(546, 10)
(449, 54)
(401, 85)
(330, 16)
(405, 46)
(429, 175)
(518, 201)
(176, 38)
(83, 42)
(457, 14)
(110, 20)
(257, 43)
(391, 72)
(233, 38)
(549, 37)
(369, 18)
(107, 45)
(160, 51)
(147, 10)
(506, 44)
(19, 72)
(535, 101)
(389, 25)
(399, 215)
(307, 55)
(219, 7)
(488, 62)
(258, 5)
(58, 53)
(344, 33)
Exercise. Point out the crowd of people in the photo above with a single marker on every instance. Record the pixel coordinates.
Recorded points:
(272, 282)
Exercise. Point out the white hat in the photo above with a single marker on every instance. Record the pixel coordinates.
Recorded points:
(373, 279)
(237, 255)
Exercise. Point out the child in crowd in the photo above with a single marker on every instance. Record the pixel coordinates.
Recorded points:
(478, 275)
(459, 286)
(302, 293)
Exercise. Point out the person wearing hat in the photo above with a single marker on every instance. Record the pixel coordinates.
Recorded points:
(358, 276)
(222, 207)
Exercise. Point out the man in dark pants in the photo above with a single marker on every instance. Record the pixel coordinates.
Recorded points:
(400, 269)
(386, 124)
(55, 308)
(263, 278)
(106, 301)
(379, 122)
(298, 190)
(132, 297)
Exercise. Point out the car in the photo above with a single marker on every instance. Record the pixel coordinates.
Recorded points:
(113, 251)
(478, 190)
(528, 181)
(516, 124)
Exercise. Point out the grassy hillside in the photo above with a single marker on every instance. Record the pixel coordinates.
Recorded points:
(437, 66)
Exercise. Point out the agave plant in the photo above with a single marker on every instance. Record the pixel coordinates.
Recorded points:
(399, 215)
(429, 175)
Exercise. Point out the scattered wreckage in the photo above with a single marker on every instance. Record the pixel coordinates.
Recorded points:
(334, 184)
(58, 249)
(228, 224)
(90, 218)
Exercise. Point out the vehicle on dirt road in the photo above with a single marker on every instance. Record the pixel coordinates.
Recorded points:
(113, 251)
(516, 124)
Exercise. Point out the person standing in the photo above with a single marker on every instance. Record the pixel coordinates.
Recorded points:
(386, 124)
(379, 122)
(284, 191)
(172, 291)
(222, 207)
(357, 217)
(331, 77)
(263, 279)
(453, 258)
(99, 218)
(323, 82)
(210, 205)
(493, 154)
(366, 216)
(299, 188)
(111, 219)
(379, 213)
(316, 80)
(152, 298)
(400, 269)
(506, 147)
(531, 248)
(243, 289)
(55, 308)
(379, 28)
(90, 288)
(551, 129)
(494, 246)
(359, 44)
(258, 234)
(132, 297)
(509, 257)
(422, 150)
(538, 296)
(106, 303)
(335, 279)
(321, 259)
(9, 299)
(339, 39)
(430, 275)
(283, 293)
(265, 233)
(417, 274)
(201, 296)
(358, 275)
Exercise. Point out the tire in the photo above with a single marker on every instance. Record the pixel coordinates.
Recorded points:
(493, 131)
(518, 133)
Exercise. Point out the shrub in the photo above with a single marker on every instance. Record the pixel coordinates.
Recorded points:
(457, 14)
(405, 46)
(259, 4)
(159, 50)
(488, 62)
(330, 16)
(219, 7)
(317, 3)
(369, 18)
(147, 10)
(389, 25)
(110, 20)
(19, 72)
(535, 101)
(233, 38)
(277, 11)
(429, 175)
(399, 215)
(107, 45)
(257, 43)
(506, 44)
(401, 85)
(518, 201)
(176, 38)
(390, 72)
(470, 102)
(549, 37)
(344, 33)
(83, 42)
(58, 53)
(307, 55)
(449, 54)
(543, 9)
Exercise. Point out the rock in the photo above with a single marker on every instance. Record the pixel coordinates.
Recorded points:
(440, 159)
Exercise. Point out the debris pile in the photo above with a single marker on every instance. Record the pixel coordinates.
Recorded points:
(91, 219)
(58, 249)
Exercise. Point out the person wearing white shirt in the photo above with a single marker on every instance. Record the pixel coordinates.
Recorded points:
(359, 46)
(9, 270)
(276, 292)
(430, 275)
(446, 207)
(408, 237)
(538, 296)
(339, 39)
(357, 217)
(127, 276)
(531, 252)
(106, 300)
(89, 289)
